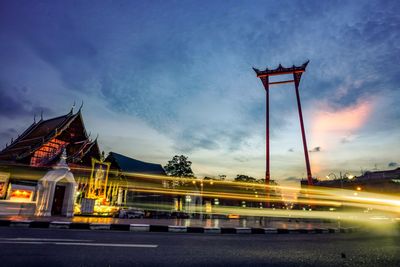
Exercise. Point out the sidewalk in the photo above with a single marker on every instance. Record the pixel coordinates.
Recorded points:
(244, 222)
(215, 226)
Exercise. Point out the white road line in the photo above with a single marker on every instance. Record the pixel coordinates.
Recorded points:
(81, 244)
(44, 239)
(25, 242)
(109, 245)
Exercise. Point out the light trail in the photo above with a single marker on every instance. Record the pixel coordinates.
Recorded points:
(347, 204)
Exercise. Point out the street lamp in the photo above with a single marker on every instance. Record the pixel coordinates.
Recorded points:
(194, 182)
(340, 176)
(330, 175)
(122, 195)
(201, 199)
(348, 175)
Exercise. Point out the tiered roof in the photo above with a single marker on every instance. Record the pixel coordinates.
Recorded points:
(68, 130)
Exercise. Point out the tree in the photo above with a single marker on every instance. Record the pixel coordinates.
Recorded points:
(179, 166)
(220, 177)
(245, 178)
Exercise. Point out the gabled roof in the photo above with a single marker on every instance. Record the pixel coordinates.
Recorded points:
(39, 133)
(126, 164)
(88, 150)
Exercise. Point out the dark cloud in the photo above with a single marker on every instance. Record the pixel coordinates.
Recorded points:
(241, 159)
(6, 136)
(393, 164)
(316, 149)
(344, 140)
(12, 106)
(292, 178)
(15, 103)
(190, 141)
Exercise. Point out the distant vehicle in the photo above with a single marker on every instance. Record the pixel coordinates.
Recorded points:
(233, 216)
(131, 213)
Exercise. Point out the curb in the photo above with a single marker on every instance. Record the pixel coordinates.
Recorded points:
(170, 228)
(139, 228)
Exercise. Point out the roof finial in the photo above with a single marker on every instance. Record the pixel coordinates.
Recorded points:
(72, 108)
(34, 117)
(62, 164)
(41, 115)
(81, 106)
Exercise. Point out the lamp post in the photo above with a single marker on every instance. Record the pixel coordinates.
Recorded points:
(123, 193)
(194, 182)
(340, 176)
(331, 174)
(201, 199)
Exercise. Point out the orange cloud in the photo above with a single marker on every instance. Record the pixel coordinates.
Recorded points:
(330, 126)
(344, 120)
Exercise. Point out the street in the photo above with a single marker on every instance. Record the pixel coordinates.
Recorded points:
(50, 247)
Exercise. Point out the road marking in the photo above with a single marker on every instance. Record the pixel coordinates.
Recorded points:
(43, 239)
(109, 245)
(81, 244)
(25, 242)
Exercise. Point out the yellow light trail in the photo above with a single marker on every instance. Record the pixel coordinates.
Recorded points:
(365, 202)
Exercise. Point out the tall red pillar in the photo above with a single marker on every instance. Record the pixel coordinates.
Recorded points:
(265, 81)
(264, 77)
(297, 77)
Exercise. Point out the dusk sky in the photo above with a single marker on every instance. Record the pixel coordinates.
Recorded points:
(160, 78)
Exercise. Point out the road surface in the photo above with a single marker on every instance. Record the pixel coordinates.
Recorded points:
(51, 247)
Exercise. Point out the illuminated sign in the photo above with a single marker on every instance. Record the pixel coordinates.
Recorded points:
(20, 193)
(98, 178)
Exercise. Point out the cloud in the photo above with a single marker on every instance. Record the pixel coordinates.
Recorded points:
(291, 150)
(292, 179)
(6, 136)
(241, 159)
(316, 149)
(393, 164)
(15, 103)
(334, 125)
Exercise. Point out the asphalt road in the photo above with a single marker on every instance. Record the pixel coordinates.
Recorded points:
(50, 247)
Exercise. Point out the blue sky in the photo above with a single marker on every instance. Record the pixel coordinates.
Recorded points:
(160, 78)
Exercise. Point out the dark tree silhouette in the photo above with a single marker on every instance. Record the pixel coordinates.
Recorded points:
(245, 178)
(179, 166)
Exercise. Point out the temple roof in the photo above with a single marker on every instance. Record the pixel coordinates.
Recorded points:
(38, 133)
(281, 70)
(126, 164)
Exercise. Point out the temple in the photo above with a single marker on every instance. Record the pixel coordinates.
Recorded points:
(42, 143)
(55, 168)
